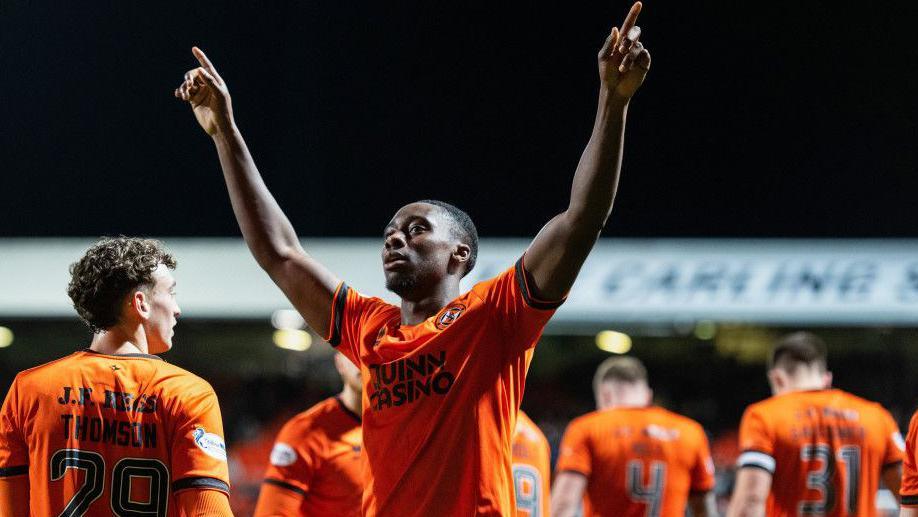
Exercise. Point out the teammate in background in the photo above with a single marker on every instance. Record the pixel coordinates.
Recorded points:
(444, 373)
(112, 429)
(630, 458)
(810, 449)
(531, 468)
(908, 492)
(316, 467)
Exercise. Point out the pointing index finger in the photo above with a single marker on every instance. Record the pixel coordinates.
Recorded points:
(202, 58)
(631, 19)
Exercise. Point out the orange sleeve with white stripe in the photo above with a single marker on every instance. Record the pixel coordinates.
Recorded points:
(757, 444)
(895, 444)
(703, 471)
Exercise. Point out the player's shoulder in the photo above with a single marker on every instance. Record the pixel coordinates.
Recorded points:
(43, 371)
(316, 418)
(770, 405)
(674, 419)
(869, 410)
(591, 419)
(527, 429)
(489, 279)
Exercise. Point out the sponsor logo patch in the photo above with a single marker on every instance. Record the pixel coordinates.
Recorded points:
(212, 444)
(282, 455)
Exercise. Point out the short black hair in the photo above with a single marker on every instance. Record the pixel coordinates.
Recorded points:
(110, 270)
(463, 229)
(797, 349)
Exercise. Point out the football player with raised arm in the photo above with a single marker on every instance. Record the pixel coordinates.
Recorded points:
(444, 372)
(113, 429)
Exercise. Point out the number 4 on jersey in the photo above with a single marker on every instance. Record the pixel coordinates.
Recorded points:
(650, 494)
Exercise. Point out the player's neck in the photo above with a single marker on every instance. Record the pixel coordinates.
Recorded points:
(813, 386)
(116, 341)
(416, 311)
(351, 399)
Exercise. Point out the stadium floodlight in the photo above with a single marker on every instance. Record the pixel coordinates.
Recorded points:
(6, 337)
(613, 342)
(292, 339)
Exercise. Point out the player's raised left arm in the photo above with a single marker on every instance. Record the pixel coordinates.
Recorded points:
(555, 256)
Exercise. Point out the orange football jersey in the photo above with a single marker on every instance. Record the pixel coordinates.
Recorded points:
(317, 456)
(531, 469)
(824, 448)
(440, 398)
(103, 435)
(909, 488)
(637, 461)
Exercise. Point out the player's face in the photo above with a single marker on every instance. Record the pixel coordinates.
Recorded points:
(418, 249)
(162, 311)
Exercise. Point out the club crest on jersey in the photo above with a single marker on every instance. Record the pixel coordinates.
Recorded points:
(212, 444)
(449, 315)
(282, 455)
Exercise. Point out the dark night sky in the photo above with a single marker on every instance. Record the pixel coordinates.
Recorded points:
(757, 119)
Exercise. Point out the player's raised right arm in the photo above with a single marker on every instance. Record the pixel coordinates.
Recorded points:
(268, 233)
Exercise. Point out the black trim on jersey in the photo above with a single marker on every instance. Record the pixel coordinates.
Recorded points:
(18, 470)
(200, 482)
(350, 413)
(909, 500)
(148, 356)
(756, 466)
(285, 486)
(338, 308)
(891, 464)
(522, 281)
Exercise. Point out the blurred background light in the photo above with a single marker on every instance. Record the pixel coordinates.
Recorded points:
(613, 342)
(292, 339)
(6, 337)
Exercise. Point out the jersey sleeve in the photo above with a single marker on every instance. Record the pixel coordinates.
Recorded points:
(519, 312)
(895, 444)
(294, 459)
(756, 441)
(348, 320)
(198, 448)
(703, 469)
(909, 488)
(575, 452)
(14, 452)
